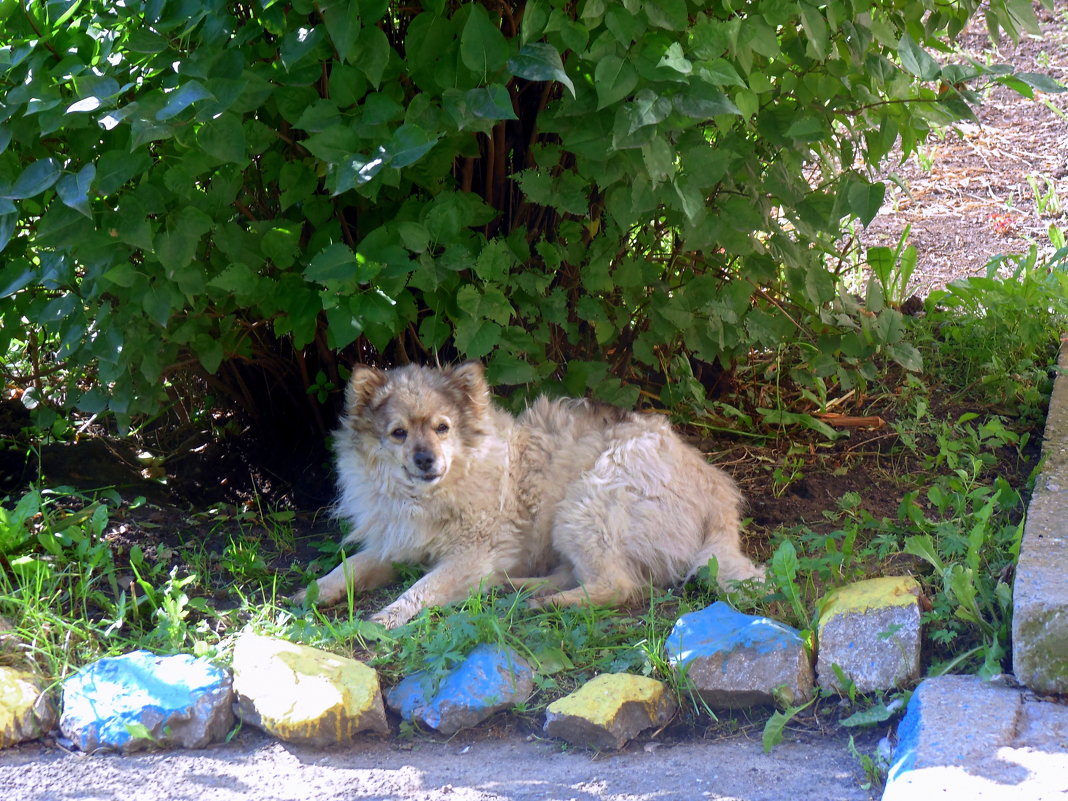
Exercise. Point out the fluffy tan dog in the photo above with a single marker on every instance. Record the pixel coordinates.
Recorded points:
(586, 503)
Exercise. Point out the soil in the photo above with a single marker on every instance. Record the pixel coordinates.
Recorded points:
(473, 766)
(965, 198)
(964, 202)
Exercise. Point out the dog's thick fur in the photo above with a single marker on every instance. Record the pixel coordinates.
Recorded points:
(580, 501)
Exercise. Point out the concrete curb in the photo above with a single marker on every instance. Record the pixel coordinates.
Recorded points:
(963, 738)
(1040, 594)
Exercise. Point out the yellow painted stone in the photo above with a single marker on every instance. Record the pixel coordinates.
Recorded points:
(598, 700)
(25, 712)
(876, 593)
(302, 694)
(610, 710)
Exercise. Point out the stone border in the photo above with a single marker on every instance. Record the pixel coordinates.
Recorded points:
(1040, 592)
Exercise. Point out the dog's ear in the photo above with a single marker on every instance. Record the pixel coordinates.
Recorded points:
(363, 384)
(470, 379)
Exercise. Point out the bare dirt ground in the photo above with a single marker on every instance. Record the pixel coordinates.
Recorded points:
(966, 198)
(469, 767)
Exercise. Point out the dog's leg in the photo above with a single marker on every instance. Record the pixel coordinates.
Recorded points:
(563, 578)
(363, 571)
(447, 583)
(734, 566)
(598, 594)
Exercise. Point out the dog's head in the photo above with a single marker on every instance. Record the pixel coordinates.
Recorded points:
(420, 419)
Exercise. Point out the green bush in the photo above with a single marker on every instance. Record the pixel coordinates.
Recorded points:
(597, 195)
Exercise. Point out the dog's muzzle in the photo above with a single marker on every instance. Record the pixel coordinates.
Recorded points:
(426, 467)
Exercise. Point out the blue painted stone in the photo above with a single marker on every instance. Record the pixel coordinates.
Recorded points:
(140, 700)
(736, 660)
(951, 739)
(490, 679)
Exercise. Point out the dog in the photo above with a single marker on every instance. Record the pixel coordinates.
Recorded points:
(578, 501)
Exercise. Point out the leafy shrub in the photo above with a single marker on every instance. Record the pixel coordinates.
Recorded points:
(238, 192)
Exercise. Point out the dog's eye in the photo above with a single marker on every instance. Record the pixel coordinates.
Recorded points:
(442, 429)
(399, 434)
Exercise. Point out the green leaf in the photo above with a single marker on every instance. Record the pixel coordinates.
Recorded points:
(613, 80)
(357, 171)
(877, 713)
(489, 304)
(8, 223)
(504, 368)
(34, 180)
(784, 564)
(434, 330)
(156, 301)
(209, 351)
(676, 60)
(224, 138)
(923, 546)
(905, 354)
(916, 60)
(816, 31)
(720, 72)
(483, 48)
(342, 21)
(781, 417)
(73, 190)
(115, 167)
(16, 275)
(297, 44)
(343, 326)
(374, 53)
(807, 129)
(864, 200)
(476, 338)
(702, 102)
(540, 61)
(1041, 82)
(182, 98)
(335, 262)
(491, 102)
(408, 144)
(669, 14)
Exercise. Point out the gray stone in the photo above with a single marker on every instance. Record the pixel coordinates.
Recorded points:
(734, 660)
(489, 680)
(965, 738)
(1040, 593)
(610, 710)
(140, 700)
(26, 710)
(871, 631)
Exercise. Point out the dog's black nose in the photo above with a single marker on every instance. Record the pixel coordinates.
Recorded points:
(424, 460)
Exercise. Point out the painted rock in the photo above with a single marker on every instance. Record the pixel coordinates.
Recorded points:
(489, 680)
(871, 630)
(141, 700)
(608, 711)
(303, 694)
(736, 660)
(26, 711)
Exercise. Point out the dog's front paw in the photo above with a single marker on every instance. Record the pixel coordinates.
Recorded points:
(386, 618)
(392, 616)
(315, 594)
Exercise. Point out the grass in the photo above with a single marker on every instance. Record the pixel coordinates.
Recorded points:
(71, 591)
